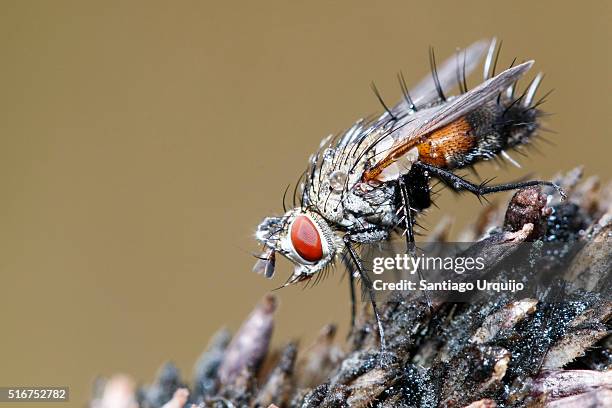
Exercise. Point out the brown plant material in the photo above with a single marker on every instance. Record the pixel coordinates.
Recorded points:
(279, 385)
(365, 389)
(166, 383)
(319, 359)
(553, 349)
(594, 399)
(527, 207)
(479, 369)
(250, 345)
(179, 399)
(117, 392)
(564, 383)
(207, 366)
(573, 345)
(505, 318)
(588, 264)
(483, 403)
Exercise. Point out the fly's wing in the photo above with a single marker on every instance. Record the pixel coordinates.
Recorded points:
(461, 64)
(414, 129)
(463, 104)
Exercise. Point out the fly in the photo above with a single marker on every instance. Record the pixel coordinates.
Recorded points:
(369, 183)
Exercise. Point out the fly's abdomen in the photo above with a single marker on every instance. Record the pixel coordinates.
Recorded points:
(448, 144)
(479, 135)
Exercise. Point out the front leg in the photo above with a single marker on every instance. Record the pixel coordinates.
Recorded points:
(407, 215)
(369, 287)
(351, 278)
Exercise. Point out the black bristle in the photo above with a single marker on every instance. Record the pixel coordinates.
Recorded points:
(382, 102)
(434, 75)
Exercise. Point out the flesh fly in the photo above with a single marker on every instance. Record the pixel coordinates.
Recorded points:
(370, 181)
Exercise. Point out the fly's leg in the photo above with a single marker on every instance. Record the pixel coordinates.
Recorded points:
(370, 288)
(409, 222)
(353, 300)
(458, 183)
(351, 267)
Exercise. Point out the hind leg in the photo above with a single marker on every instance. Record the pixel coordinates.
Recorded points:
(409, 228)
(457, 183)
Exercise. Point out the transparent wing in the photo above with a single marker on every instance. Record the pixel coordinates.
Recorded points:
(459, 65)
(412, 130)
(462, 63)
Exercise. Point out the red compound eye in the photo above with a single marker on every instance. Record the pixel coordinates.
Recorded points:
(305, 239)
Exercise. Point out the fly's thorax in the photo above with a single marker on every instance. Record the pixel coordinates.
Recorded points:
(340, 196)
(331, 182)
(372, 206)
(336, 173)
(303, 237)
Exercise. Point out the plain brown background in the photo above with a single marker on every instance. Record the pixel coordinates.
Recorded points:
(142, 142)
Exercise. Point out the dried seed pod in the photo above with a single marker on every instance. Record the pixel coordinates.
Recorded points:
(241, 390)
(600, 311)
(504, 318)
(497, 247)
(363, 336)
(179, 399)
(314, 398)
(319, 359)
(118, 392)
(365, 389)
(598, 357)
(587, 195)
(280, 382)
(479, 369)
(354, 365)
(162, 390)
(483, 403)
(604, 201)
(572, 346)
(205, 370)
(590, 269)
(564, 383)
(595, 399)
(249, 346)
(336, 397)
(394, 401)
(527, 206)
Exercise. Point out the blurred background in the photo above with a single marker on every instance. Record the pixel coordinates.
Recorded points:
(142, 142)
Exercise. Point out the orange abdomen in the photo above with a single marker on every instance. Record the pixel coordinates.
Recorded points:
(453, 140)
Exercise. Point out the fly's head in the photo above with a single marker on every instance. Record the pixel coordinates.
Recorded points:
(303, 237)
